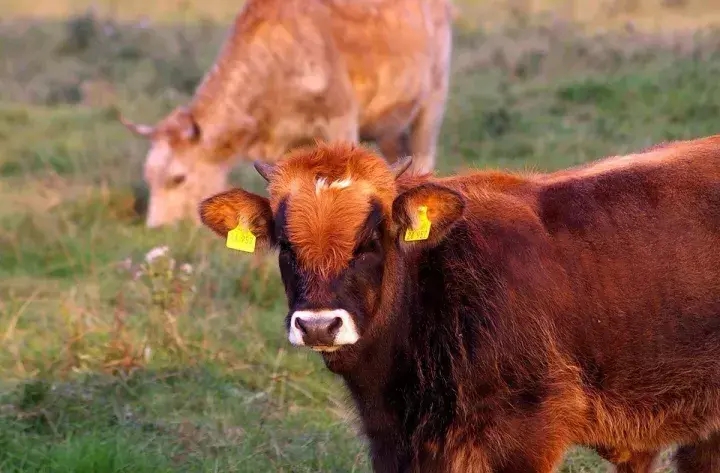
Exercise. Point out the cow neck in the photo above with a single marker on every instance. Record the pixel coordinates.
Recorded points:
(222, 96)
(226, 140)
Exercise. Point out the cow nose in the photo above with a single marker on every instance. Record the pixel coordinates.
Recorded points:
(319, 331)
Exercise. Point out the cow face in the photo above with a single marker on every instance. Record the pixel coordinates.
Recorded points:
(177, 169)
(334, 288)
(338, 229)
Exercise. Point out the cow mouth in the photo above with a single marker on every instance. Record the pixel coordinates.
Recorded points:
(325, 348)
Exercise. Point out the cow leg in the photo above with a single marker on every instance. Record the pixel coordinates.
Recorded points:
(536, 457)
(393, 146)
(343, 128)
(424, 131)
(548, 462)
(701, 457)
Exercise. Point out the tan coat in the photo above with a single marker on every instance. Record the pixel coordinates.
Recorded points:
(292, 71)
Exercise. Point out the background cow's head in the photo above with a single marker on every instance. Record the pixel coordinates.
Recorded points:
(339, 225)
(183, 166)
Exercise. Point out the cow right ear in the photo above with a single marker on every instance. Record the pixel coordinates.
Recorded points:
(242, 210)
(423, 215)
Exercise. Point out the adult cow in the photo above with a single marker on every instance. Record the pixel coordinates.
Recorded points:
(292, 71)
(538, 311)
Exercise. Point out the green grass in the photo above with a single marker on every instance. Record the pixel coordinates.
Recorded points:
(104, 371)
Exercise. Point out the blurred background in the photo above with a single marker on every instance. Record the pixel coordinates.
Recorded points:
(128, 349)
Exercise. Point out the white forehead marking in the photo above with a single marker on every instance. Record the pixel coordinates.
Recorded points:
(347, 335)
(158, 155)
(321, 184)
(156, 161)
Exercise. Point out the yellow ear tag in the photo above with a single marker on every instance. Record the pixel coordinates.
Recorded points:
(242, 239)
(422, 231)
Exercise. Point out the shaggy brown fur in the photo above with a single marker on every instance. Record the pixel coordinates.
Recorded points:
(294, 70)
(578, 307)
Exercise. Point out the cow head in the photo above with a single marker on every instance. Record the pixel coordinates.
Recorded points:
(334, 215)
(183, 166)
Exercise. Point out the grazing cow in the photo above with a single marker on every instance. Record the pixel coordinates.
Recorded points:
(292, 71)
(486, 322)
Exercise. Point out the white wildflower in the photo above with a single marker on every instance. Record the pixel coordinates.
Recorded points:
(126, 264)
(156, 253)
(186, 268)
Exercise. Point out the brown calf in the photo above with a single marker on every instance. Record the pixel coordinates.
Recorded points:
(295, 70)
(540, 311)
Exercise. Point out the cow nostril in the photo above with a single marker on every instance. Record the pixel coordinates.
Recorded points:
(335, 325)
(300, 325)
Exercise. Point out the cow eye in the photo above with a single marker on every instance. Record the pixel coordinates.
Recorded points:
(370, 245)
(176, 180)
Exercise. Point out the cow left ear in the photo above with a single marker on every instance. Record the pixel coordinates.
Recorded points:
(248, 216)
(423, 215)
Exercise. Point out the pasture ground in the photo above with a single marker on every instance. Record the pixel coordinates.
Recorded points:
(109, 364)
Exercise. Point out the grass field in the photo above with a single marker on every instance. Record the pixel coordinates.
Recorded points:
(112, 364)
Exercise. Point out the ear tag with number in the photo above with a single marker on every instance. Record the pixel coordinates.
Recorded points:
(241, 238)
(422, 231)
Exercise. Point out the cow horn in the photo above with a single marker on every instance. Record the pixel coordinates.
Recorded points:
(142, 130)
(266, 170)
(401, 165)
